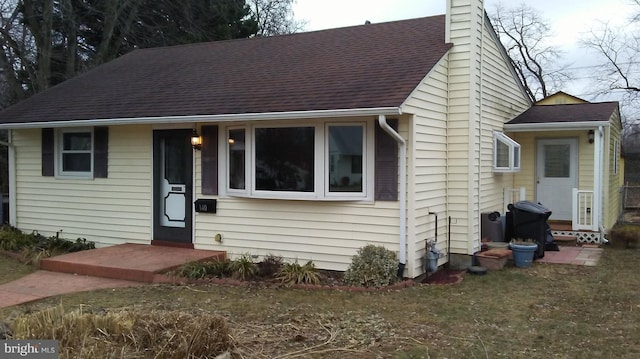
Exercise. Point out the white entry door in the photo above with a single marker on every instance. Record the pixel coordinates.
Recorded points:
(557, 175)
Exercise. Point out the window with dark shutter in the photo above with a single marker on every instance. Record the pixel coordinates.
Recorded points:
(209, 160)
(100, 152)
(48, 152)
(76, 152)
(386, 177)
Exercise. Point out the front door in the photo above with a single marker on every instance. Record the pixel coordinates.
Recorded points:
(172, 183)
(556, 175)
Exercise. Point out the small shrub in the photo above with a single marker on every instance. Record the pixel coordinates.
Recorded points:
(243, 268)
(193, 270)
(219, 268)
(12, 239)
(199, 270)
(294, 273)
(33, 255)
(270, 266)
(624, 236)
(372, 266)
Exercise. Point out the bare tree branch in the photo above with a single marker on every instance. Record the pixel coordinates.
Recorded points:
(525, 35)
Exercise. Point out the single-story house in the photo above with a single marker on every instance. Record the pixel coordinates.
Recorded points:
(309, 146)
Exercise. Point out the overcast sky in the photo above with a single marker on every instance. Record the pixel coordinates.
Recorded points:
(570, 21)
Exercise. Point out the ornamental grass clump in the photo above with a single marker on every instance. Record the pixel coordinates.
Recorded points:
(128, 334)
(372, 266)
(294, 273)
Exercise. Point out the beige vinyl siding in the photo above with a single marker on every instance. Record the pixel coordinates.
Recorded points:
(502, 99)
(528, 141)
(428, 172)
(327, 232)
(462, 124)
(107, 211)
(612, 191)
(527, 176)
(483, 95)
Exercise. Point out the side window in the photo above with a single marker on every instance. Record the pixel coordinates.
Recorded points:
(506, 153)
(345, 158)
(75, 153)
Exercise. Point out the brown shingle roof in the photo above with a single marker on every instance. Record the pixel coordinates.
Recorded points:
(579, 112)
(367, 66)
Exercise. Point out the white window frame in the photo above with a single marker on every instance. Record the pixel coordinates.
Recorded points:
(60, 172)
(321, 165)
(366, 176)
(247, 149)
(515, 153)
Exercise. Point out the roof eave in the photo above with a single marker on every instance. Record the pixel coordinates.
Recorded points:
(263, 116)
(554, 126)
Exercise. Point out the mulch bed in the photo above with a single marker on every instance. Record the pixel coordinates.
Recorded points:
(445, 276)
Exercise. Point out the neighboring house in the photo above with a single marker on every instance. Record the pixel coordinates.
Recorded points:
(313, 145)
(571, 161)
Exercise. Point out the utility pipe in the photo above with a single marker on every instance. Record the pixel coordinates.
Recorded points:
(382, 121)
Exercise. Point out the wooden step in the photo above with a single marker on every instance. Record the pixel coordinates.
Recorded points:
(566, 240)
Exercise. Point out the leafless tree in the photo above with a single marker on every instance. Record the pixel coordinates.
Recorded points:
(525, 35)
(275, 17)
(619, 72)
(619, 69)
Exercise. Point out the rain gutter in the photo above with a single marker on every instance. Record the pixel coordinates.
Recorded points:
(263, 116)
(556, 126)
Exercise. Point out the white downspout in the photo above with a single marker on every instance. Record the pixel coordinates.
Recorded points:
(382, 121)
(599, 178)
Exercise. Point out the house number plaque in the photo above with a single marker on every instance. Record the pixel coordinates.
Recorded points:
(205, 205)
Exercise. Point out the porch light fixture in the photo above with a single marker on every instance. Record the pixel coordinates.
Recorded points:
(196, 140)
(590, 135)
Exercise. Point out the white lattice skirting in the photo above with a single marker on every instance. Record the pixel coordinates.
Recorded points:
(582, 237)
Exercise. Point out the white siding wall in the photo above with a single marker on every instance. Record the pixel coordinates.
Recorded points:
(104, 210)
(465, 33)
(427, 174)
(327, 232)
(612, 179)
(483, 95)
(502, 100)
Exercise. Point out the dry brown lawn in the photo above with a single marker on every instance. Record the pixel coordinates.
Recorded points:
(547, 311)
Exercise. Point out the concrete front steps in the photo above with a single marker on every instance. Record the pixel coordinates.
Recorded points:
(133, 262)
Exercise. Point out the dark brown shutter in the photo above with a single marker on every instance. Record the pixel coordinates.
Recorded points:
(386, 185)
(48, 152)
(209, 160)
(100, 152)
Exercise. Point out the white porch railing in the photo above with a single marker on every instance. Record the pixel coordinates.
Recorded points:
(513, 195)
(583, 211)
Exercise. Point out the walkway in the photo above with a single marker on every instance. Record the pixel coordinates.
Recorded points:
(586, 256)
(124, 265)
(42, 284)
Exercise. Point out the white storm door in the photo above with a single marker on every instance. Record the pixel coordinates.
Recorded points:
(557, 175)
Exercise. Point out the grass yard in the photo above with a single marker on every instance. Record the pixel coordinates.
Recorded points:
(11, 269)
(547, 311)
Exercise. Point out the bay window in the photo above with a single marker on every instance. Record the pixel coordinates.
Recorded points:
(506, 153)
(321, 160)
